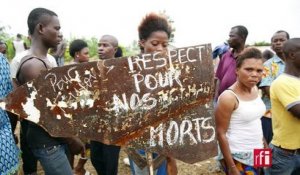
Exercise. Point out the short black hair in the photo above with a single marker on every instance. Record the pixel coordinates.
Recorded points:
(19, 35)
(291, 45)
(35, 17)
(76, 46)
(242, 31)
(281, 31)
(267, 54)
(152, 23)
(247, 53)
(119, 52)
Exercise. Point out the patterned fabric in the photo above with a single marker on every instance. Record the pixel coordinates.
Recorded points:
(272, 69)
(9, 152)
(244, 169)
(245, 157)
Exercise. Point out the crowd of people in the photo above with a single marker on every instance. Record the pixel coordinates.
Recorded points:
(257, 101)
(257, 104)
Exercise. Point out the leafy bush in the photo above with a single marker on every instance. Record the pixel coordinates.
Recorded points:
(262, 43)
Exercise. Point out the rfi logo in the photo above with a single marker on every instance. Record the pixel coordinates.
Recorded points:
(262, 157)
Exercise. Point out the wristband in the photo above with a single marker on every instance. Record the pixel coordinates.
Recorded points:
(84, 158)
(232, 166)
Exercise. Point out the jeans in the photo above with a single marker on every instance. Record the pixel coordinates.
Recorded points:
(283, 162)
(54, 160)
(105, 158)
(135, 170)
(29, 160)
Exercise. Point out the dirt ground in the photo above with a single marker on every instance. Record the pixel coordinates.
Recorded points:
(207, 167)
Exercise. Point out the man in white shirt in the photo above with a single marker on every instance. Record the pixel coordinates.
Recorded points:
(19, 45)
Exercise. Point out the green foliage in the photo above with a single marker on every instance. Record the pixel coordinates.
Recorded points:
(262, 43)
(92, 44)
(124, 51)
(8, 39)
(93, 47)
(171, 23)
(5, 37)
(10, 52)
(132, 49)
(67, 56)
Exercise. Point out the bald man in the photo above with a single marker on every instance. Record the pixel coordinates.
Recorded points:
(107, 47)
(285, 99)
(105, 158)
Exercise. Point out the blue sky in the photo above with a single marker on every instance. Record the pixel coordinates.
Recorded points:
(195, 21)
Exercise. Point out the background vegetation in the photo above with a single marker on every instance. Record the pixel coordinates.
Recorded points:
(129, 50)
(262, 43)
(132, 49)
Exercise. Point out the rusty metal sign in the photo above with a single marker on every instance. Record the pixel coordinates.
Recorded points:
(113, 101)
(191, 137)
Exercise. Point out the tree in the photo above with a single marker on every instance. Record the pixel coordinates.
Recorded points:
(132, 49)
(262, 43)
(93, 46)
(164, 13)
(5, 37)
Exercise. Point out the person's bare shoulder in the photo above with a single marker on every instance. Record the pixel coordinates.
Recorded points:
(227, 100)
(31, 68)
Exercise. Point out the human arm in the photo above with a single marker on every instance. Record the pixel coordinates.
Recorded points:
(14, 64)
(266, 91)
(31, 69)
(76, 146)
(25, 46)
(287, 92)
(295, 110)
(216, 85)
(226, 105)
(60, 51)
(171, 166)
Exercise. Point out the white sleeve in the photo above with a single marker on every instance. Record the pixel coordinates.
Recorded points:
(52, 60)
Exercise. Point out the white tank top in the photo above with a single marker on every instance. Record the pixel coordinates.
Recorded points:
(245, 131)
(19, 46)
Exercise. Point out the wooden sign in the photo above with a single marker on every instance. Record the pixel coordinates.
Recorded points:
(113, 101)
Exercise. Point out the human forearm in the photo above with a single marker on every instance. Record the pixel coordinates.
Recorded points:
(224, 146)
(266, 91)
(216, 85)
(295, 110)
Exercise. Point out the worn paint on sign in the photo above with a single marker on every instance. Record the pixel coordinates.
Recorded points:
(114, 100)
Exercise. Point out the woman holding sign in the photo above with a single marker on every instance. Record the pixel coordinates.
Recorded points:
(238, 114)
(154, 34)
